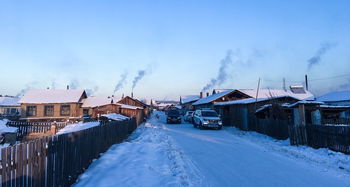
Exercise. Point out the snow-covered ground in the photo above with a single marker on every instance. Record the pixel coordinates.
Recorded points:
(180, 155)
(77, 127)
(4, 128)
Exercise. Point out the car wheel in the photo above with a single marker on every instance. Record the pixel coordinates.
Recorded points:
(219, 128)
(201, 127)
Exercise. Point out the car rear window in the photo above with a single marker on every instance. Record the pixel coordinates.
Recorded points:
(209, 114)
(173, 112)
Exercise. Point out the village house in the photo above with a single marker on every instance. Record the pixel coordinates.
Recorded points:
(95, 106)
(338, 98)
(208, 101)
(9, 106)
(132, 111)
(241, 110)
(164, 105)
(187, 101)
(318, 113)
(52, 105)
(146, 109)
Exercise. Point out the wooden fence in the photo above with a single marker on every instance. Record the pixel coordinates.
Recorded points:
(58, 160)
(275, 128)
(339, 121)
(334, 137)
(297, 134)
(25, 128)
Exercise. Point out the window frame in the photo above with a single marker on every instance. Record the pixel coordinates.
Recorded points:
(27, 110)
(45, 110)
(61, 110)
(86, 111)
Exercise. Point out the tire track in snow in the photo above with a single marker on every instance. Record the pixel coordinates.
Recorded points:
(148, 158)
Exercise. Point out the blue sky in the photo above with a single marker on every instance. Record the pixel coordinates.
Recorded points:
(180, 43)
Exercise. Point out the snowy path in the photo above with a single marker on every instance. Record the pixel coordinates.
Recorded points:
(180, 155)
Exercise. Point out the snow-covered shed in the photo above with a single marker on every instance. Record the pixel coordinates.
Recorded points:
(52, 105)
(9, 106)
(242, 113)
(318, 112)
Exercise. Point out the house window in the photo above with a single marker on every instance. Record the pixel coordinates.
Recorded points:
(65, 110)
(85, 112)
(31, 110)
(48, 110)
(13, 111)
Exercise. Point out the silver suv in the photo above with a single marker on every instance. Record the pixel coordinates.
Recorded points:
(206, 118)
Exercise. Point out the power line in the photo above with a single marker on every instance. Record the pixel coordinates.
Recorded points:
(316, 79)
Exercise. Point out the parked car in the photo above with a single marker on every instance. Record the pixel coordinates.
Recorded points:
(173, 116)
(206, 119)
(189, 116)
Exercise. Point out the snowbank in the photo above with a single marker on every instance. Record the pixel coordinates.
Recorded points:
(325, 158)
(116, 117)
(6, 129)
(77, 127)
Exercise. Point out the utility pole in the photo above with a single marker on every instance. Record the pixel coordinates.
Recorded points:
(284, 84)
(257, 93)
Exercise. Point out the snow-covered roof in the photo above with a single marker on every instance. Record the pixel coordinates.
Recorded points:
(306, 102)
(9, 101)
(220, 90)
(335, 96)
(268, 93)
(96, 101)
(249, 101)
(334, 107)
(116, 117)
(189, 98)
(263, 108)
(129, 106)
(241, 101)
(211, 98)
(51, 96)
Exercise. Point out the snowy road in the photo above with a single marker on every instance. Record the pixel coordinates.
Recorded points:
(180, 155)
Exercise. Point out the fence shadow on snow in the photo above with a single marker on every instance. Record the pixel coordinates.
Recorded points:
(58, 160)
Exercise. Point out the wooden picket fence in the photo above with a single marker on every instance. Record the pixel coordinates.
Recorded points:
(58, 160)
(25, 128)
(275, 128)
(334, 137)
(297, 134)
